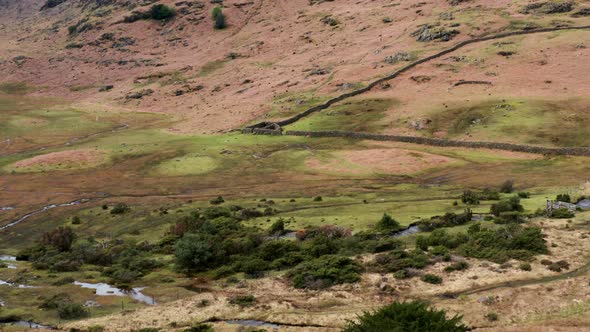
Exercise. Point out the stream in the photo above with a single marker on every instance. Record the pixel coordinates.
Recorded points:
(31, 325)
(102, 289)
(43, 209)
(408, 231)
(253, 323)
(6, 258)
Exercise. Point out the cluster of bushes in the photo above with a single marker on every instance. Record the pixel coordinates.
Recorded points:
(449, 219)
(216, 239)
(562, 213)
(65, 307)
(474, 198)
(496, 245)
(60, 250)
(511, 204)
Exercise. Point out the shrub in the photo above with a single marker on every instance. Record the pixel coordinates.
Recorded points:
(457, 266)
(387, 224)
(120, 208)
(242, 300)
(56, 301)
(217, 201)
(563, 198)
(402, 274)
(278, 227)
(524, 194)
(399, 259)
(218, 18)
(507, 187)
(200, 328)
(61, 238)
(470, 197)
(317, 199)
(161, 12)
(562, 213)
(449, 219)
(509, 217)
(324, 272)
(253, 267)
(491, 316)
(507, 205)
(72, 311)
(525, 266)
(195, 251)
(431, 279)
(407, 317)
(76, 220)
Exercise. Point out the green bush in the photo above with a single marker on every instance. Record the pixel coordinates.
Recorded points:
(470, 197)
(525, 266)
(72, 311)
(507, 205)
(507, 187)
(509, 217)
(120, 208)
(161, 12)
(563, 198)
(56, 301)
(457, 266)
(400, 259)
(200, 328)
(406, 317)
(562, 213)
(218, 18)
(491, 316)
(449, 219)
(324, 272)
(387, 224)
(242, 300)
(524, 194)
(217, 201)
(278, 227)
(431, 279)
(195, 252)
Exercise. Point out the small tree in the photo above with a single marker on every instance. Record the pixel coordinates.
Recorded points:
(406, 317)
(61, 238)
(507, 187)
(278, 227)
(195, 252)
(218, 18)
(387, 224)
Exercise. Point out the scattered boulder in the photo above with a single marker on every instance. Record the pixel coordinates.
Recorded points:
(387, 20)
(139, 94)
(428, 33)
(329, 20)
(400, 56)
(105, 88)
(19, 60)
(421, 78)
(582, 12)
(52, 3)
(550, 7)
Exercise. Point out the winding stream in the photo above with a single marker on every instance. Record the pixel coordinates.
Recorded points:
(102, 289)
(43, 209)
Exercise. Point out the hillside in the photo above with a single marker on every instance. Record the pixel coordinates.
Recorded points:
(237, 165)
